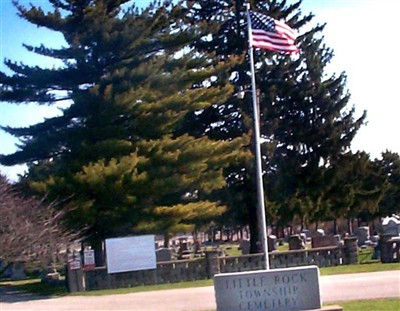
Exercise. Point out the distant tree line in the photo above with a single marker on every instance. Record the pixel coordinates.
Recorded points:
(155, 138)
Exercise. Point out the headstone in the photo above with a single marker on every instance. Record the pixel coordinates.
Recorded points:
(183, 251)
(163, 254)
(391, 226)
(18, 272)
(289, 289)
(374, 239)
(272, 242)
(303, 237)
(8, 271)
(338, 238)
(197, 251)
(324, 241)
(296, 243)
(362, 234)
(245, 247)
(307, 233)
(52, 278)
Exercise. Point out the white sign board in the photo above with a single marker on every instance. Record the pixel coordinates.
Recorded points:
(131, 253)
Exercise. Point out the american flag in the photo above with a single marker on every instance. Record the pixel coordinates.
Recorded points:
(271, 34)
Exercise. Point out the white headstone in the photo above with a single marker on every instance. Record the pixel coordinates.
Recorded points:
(391, 226)
(289, 289)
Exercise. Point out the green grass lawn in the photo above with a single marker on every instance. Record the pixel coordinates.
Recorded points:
(370, 267)
(367, 305)
(371, 305)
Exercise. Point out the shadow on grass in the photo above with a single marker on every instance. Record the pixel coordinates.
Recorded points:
(11, 292)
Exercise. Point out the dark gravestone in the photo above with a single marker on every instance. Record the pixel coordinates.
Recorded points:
(272, 243)
(324, 241)
(163, 254)
(296, 243)
(184, 251)
(245, 247)
(362, 234)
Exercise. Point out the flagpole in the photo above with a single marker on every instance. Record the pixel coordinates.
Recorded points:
(259, 177)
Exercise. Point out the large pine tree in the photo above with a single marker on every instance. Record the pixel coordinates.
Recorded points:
(306, 122)
(116, 153)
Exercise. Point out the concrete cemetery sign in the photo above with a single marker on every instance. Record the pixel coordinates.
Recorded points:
(289, 289)
(131, 253)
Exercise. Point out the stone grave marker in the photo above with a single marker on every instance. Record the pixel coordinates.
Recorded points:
(362, 234)
(289, 289)
(18, 272)
(184, 252)
(163, 254)
(391, 226)
(338, 238)
(272, 242)
(296, 243)
(245, 247)
(307, 233)
(324, 241)
(303, 237)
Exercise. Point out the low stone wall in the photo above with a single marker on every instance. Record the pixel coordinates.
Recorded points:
(206, 267)
(321, 257)
(166, 272)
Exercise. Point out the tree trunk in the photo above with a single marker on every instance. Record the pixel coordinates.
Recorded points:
(254, 232)
(166, 240)
(334, 226)
(99, 255)
(350, 226)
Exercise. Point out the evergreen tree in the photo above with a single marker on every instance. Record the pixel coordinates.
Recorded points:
(312, 129)
(390, 165)
(356, 190)
(306, 124)
(116, 152)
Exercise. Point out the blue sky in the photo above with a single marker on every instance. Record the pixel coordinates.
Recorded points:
(362, 33)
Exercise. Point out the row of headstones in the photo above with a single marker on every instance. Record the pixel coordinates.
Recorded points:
(296, 242)
(185, 251)
(390, 227)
